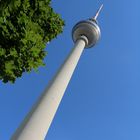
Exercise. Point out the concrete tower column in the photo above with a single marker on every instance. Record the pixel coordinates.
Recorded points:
(35, 126)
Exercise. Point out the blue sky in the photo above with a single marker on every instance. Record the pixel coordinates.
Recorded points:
(102, 101)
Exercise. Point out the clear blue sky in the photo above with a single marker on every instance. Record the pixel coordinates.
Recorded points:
(102, 101)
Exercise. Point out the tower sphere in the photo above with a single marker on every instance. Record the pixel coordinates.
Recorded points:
(88, 28)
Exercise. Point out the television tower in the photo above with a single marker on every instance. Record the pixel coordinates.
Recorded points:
(35, 126)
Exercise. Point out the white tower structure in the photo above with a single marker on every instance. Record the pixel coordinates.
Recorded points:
(35, 126)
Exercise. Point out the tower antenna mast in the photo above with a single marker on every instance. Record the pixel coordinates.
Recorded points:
(98, 12)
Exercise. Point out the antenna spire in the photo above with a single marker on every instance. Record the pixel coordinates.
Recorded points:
(98, 12)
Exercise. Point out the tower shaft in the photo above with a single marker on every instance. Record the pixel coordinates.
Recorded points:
(36, 124)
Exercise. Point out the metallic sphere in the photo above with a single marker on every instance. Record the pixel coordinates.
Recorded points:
(88, 28)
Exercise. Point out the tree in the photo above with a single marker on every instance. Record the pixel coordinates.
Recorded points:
(25, 28)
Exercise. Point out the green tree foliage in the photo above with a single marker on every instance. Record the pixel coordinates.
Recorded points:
(25, 28)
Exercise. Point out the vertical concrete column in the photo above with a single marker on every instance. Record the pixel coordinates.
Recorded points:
(36, 124)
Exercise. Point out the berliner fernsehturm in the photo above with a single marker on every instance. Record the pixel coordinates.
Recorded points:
(35, 126)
